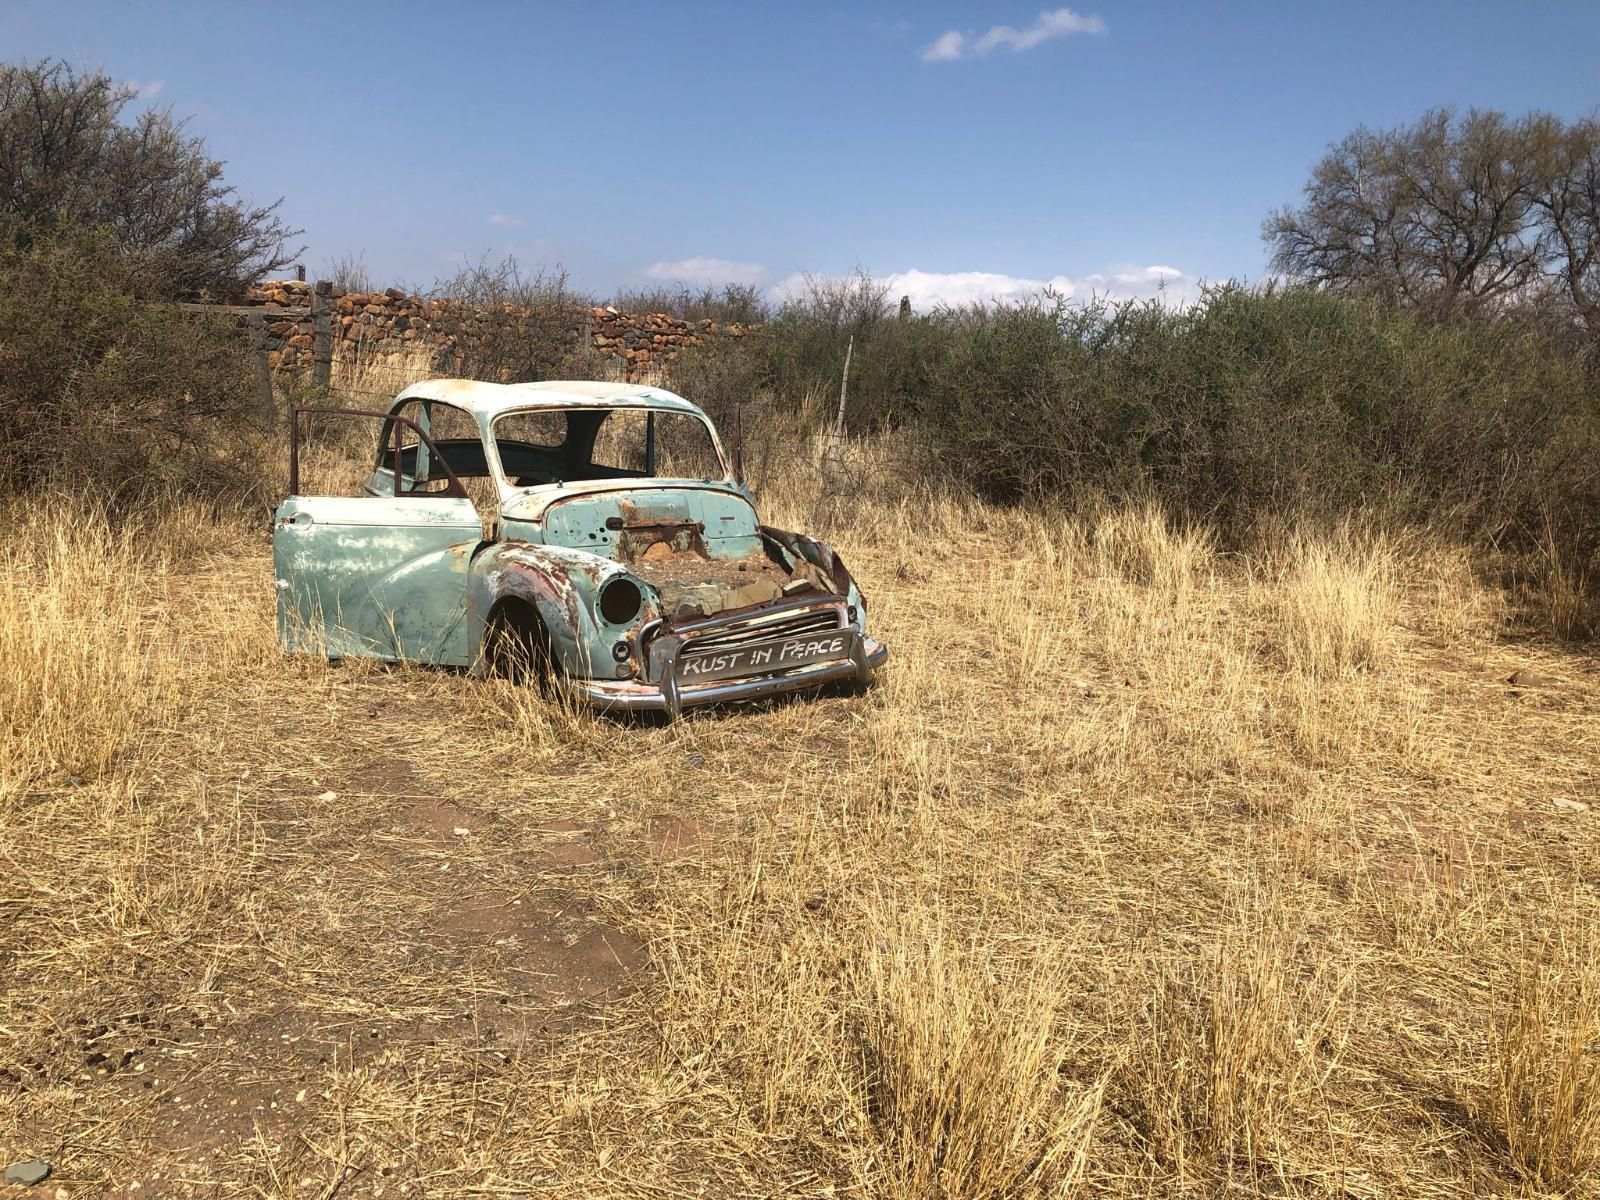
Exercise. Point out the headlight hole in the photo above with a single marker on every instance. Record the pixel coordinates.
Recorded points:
(620, 601)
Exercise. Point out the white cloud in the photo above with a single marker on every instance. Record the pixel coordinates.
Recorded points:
(707, 271)
(1051, 24)
(930, 289)
(148, 90)
(503, 219)
(946, 47)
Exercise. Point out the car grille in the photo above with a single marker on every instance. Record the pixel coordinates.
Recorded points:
(816, 620)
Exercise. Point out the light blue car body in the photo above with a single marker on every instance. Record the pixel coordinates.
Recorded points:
(426, 577)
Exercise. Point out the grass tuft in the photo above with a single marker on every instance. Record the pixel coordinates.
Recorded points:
(1544, 1096)
(1333, 604)
(964, 1071)
(1230, 1053)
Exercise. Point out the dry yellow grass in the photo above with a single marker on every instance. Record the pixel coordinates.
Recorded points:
(86, 677)
(1544, 1099)
(961, 1065)
(1144, 870)
(1334, 604)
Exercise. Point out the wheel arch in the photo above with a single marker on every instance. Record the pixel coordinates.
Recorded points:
(515, 594)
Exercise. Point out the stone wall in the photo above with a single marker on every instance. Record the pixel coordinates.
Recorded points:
(376, 326)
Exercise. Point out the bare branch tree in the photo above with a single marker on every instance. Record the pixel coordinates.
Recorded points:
(1440, 215)
(1570, 204)
(348, 272)
(739, 303)
(509, 325)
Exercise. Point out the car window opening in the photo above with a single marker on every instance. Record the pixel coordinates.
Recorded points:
(605, 443)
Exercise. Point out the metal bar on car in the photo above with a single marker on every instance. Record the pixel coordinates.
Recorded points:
(455, 489)
(728, 617)
(754, 687)
(670, 696)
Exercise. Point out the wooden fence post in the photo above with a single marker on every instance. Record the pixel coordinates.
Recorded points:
(321, 334)
(258, 352)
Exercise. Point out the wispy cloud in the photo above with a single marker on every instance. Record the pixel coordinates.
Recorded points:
(707, 271)
(504, 220)
(931, 289)
(148, 90)
(946, 47)
(1051, 24)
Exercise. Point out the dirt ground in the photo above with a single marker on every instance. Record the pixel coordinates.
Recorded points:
(1203, 875)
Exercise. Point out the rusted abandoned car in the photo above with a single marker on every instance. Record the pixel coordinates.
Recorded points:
(591, 533)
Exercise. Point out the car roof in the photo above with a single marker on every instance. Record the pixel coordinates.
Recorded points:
(487, 400)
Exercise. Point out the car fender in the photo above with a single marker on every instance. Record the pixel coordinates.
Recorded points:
(562, 585)
(826, 559)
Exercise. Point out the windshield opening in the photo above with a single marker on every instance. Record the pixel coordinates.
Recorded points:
(570, 445)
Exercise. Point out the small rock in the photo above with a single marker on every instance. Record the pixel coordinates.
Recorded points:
(28, 1173)
(1570, 805)
(1526, 678)
(461, 831)
(327, 796)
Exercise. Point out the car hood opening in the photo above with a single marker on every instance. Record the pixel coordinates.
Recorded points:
(702, 550)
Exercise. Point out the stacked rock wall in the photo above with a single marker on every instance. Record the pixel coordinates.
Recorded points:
(380, 325)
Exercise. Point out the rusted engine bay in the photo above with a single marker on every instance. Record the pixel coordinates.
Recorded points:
(672, 555)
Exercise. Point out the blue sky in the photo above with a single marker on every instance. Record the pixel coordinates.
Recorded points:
(968, 150)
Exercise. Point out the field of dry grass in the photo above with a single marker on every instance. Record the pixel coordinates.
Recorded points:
(1144, 870)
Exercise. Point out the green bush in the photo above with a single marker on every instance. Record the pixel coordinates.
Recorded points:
(798, 358)
(75, 161)
(1271, 403)
(1286, 401)
(1292, 403)
(103, 389)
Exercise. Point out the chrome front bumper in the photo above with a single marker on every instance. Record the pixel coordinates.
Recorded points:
(672, 696)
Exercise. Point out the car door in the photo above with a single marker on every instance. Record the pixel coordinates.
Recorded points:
(380, 575)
